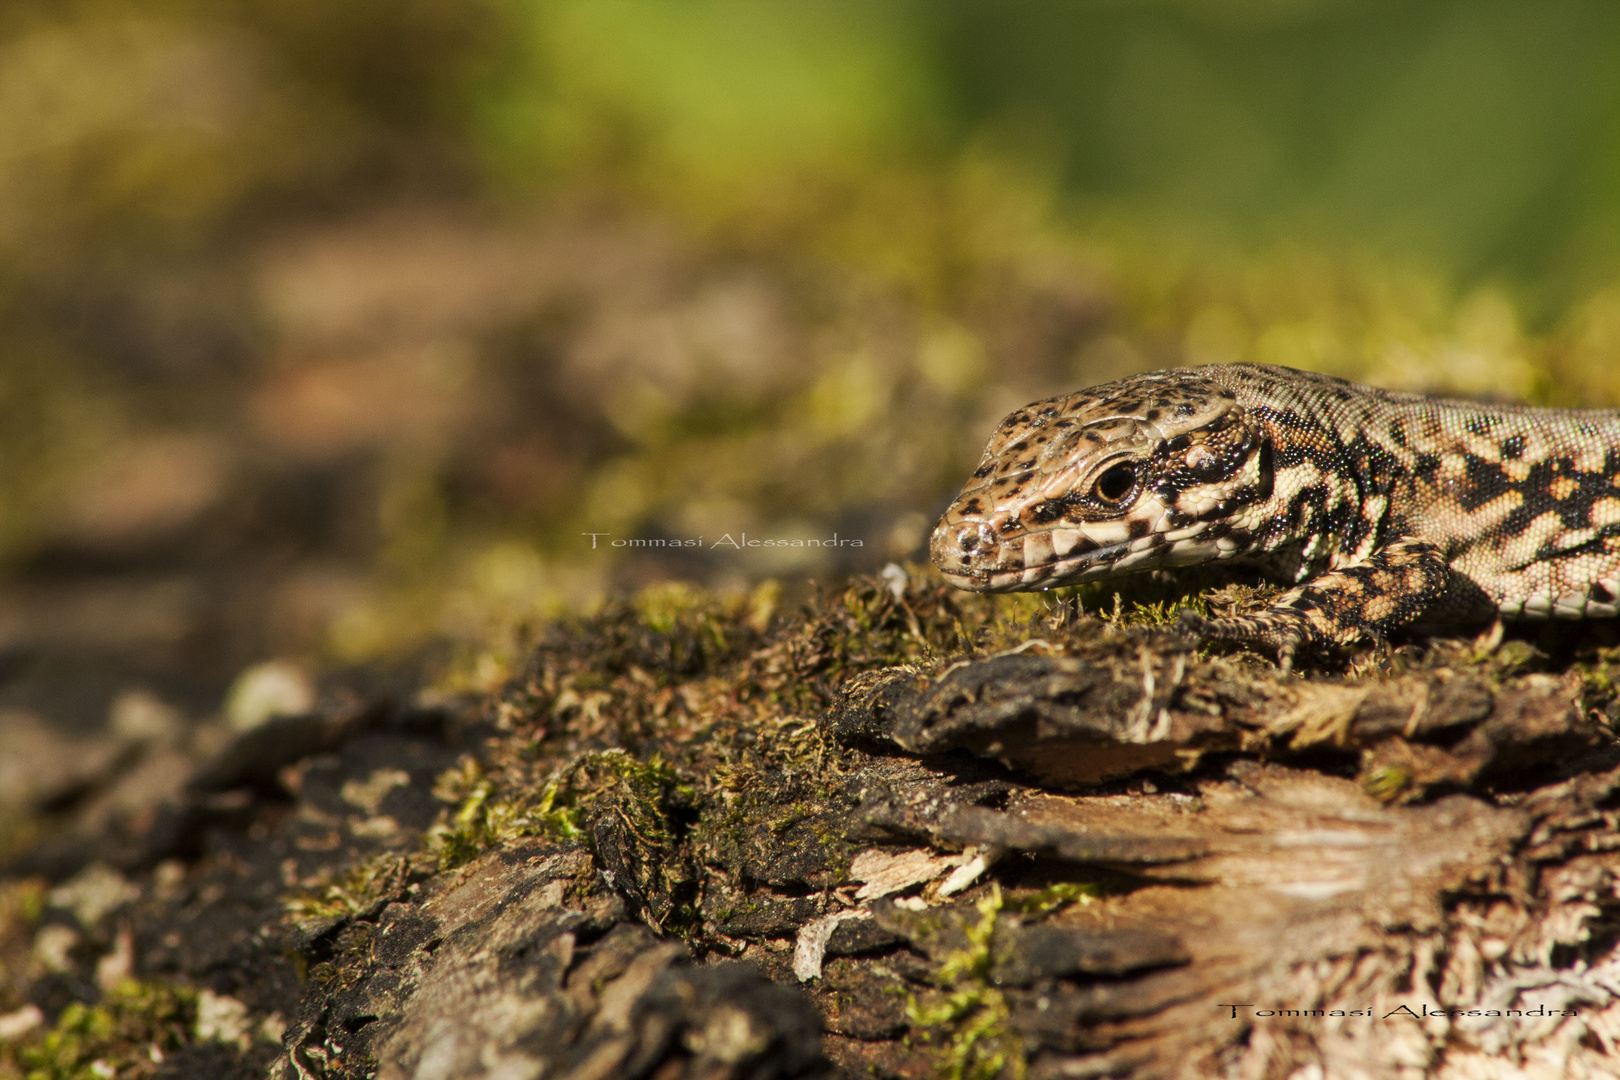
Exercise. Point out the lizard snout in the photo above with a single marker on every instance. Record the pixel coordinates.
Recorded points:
(965, 551)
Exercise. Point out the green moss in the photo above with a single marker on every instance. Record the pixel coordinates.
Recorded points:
(1386, 782)
(1057, 895)
(1514, 657)
(1158, 599)
(692, 628)
(485, 816)
(116, 1037)
(357, 890)
(664, 607)
(1598, 684)
(481, 819)
(968, 1018)
(488, 817)
(22, 904)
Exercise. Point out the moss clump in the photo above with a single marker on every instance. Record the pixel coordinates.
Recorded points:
(1058, 895)
(481, 818)
(673, 730)
(359, 889)
(969, 1018)
(126, 1035)
(487, 817)
(1386, 782)
(685, 615)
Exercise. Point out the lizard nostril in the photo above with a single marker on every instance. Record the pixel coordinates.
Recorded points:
(974, 540)
(961, 544)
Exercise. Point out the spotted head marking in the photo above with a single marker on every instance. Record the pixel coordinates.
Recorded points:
(1159, 469)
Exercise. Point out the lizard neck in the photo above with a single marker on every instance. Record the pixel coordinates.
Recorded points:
(1332, 480)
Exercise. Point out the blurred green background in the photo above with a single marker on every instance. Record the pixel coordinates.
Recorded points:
(328, 327)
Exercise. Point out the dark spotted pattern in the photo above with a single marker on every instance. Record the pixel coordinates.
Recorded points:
(1382, 508)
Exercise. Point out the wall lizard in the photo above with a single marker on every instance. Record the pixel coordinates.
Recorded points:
(1380, 508)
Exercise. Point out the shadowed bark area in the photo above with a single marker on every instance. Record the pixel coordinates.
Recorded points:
(1327, 915)
(902, 832)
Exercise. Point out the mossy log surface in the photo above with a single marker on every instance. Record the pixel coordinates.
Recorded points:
(902, 832)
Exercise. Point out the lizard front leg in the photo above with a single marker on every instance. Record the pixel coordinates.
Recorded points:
(1364, 600)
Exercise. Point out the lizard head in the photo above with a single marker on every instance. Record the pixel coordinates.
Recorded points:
(1158, 469)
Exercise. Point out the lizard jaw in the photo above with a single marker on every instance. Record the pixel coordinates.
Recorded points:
(972, 557)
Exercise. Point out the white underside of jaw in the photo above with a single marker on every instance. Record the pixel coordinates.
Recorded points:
(1045, 565)
(1045, 558)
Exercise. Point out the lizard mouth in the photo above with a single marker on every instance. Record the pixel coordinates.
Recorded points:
(972, 557)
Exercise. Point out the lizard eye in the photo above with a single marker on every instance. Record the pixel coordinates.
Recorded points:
(1116, 483)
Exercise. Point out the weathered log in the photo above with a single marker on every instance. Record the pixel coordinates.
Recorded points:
(1093, 854)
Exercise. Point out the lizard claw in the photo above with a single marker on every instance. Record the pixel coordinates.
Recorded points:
(1287, 640)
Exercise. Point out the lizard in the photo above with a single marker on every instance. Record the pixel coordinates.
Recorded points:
(1378, 509)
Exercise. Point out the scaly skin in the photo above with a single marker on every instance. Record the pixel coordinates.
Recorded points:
(1381, 508)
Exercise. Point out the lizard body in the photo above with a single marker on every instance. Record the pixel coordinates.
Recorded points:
(1381, 508)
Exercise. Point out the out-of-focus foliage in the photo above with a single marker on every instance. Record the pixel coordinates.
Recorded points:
(331, 327)
(1477, 135)
(707, 102)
